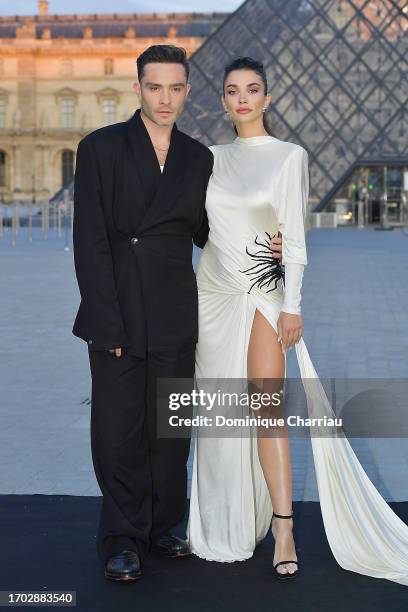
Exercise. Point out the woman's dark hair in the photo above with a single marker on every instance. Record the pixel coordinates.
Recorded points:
(247, 63)
(163, 54)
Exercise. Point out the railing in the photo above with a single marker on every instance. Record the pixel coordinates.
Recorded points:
(56, 217)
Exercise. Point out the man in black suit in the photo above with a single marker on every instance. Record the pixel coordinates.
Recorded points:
(139, 201)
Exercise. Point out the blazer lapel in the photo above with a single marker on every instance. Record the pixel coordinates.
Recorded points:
(136, 178)
(145, 161)
(144, 193)
(171, 181)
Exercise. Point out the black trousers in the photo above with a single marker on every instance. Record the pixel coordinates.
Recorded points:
(143, 478)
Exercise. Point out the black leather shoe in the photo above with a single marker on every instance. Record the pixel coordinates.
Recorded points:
(171, 546)
(123, 566)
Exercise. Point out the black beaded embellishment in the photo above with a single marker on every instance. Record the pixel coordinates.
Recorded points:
(267, 268)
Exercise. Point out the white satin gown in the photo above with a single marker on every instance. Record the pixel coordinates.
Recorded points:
(260, 186)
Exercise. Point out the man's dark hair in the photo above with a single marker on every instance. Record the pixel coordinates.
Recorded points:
(163, 54)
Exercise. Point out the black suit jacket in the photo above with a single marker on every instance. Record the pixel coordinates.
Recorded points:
(132, 233)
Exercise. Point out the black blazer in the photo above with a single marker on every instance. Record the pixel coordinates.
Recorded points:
(132, 232)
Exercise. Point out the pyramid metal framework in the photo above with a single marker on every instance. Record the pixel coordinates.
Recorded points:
(338, 74)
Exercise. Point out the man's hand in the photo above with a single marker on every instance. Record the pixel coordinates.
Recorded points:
(290, 327)
(117, 351)
(276, 245)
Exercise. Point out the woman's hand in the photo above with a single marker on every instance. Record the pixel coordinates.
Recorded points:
(290, 328)
(276, 246)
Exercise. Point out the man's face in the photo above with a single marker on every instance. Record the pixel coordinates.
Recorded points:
(162, 91)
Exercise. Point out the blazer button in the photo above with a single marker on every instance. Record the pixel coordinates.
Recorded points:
(134, 240)
(90, 341)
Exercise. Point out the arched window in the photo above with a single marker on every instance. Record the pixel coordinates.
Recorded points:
(67, 160)
(2, 169)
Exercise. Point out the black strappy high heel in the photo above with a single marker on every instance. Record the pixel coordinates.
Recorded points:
(288, 575)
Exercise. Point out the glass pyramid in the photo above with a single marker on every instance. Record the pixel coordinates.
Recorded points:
(337, 71)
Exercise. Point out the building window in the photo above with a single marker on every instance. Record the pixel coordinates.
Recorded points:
(2, 113)
(108, 66)
(67, 113)
(67, 67)
(2, 169)
(67, 160)
(109, 111)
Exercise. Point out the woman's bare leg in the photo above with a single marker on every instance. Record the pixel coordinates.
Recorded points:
(266, 370)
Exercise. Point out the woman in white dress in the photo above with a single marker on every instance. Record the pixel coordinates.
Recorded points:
(249, 315)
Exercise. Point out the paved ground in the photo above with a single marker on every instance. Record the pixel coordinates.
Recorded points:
(355, 296)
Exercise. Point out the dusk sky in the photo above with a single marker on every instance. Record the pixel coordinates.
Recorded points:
(29, 7)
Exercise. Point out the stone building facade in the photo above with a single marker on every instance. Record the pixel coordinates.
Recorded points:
(62, 76)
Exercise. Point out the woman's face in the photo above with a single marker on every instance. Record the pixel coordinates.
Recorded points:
(244, 96)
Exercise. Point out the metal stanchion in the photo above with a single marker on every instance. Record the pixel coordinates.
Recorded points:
(14, 224)
(54, 217)
(384, 225)
(360, 214)
(66, 219)
(30, 211)
(45, 219)
(59, 231)
(18, 218)
(404, 208)
(30, 222)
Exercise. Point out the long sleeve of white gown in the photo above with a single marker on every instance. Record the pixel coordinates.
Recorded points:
(293, 284)
(292, 210)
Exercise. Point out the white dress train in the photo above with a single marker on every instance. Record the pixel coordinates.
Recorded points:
(259, 186)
